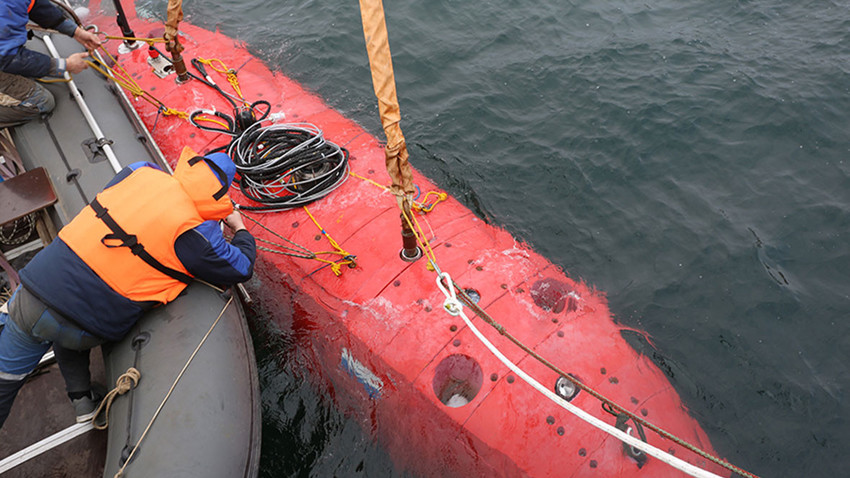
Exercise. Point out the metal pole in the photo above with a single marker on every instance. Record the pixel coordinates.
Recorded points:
(75, 93)
(410, 251)
(125, 26)
(177, 60)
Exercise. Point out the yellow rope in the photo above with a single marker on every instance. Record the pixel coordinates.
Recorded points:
(422, 206)
(126, 81)
(414, 226)
(149, 41)
(172, 112)
(411, 220)
(120, 472)
(202, 117)
(368, 180)
(230, 73)
(126, 382)
(335, 265)
(300, 251)
(110, 72)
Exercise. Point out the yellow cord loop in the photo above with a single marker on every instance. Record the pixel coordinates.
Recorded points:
(230, 73)
(204, 117)
(335, 265)
(423, 206)
(126, 382)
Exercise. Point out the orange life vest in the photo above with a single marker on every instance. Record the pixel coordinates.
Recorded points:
(153, 209)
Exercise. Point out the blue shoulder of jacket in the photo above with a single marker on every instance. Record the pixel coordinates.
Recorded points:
(207, 255)
(128, 170)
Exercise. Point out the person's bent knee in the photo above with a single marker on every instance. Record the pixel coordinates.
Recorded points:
(40, 100)
(37, 101)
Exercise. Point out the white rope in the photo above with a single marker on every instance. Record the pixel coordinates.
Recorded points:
(454, 307)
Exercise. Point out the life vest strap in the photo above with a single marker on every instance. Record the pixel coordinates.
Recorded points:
(222, 176)
(131, 241)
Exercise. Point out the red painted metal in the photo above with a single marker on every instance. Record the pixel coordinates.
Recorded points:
(379, 332)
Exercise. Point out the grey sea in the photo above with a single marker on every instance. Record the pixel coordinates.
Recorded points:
(688, 157)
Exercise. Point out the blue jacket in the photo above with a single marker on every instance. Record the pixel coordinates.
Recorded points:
(58, 277)
(16, 59)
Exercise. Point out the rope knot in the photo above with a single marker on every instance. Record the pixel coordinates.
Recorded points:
(452, 306)
(126, 382)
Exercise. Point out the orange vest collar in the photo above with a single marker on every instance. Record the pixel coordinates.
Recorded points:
(204, 185)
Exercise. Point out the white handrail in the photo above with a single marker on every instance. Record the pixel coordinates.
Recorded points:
(75, 93)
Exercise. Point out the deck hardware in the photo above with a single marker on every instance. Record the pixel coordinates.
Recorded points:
(93, 149)
(565, 388)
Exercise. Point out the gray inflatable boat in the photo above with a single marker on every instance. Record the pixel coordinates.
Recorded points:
(210, 423)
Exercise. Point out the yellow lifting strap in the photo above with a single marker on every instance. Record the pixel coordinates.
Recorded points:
(383, 81)
(175, 16)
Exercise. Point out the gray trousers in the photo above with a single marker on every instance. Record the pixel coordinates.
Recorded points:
(22, 99)
(30, 328)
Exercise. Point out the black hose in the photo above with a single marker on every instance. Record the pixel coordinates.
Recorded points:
(208, 81)
(230, 125)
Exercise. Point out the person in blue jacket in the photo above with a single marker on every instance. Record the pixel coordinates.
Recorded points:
(136, 246)
(22, 98)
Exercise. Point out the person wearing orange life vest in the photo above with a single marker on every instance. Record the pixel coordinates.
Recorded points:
(137, 245)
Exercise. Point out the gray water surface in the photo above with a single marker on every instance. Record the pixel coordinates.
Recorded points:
(687, 157)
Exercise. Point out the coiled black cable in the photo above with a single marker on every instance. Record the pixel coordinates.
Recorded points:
(284, 166)
(280, 167)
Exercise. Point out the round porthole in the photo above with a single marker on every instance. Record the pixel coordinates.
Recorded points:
(457, 380)
(554, 296)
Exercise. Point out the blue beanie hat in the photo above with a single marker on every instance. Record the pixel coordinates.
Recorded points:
(224, 162)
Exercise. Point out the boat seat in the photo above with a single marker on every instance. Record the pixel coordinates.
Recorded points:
(30, 192)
